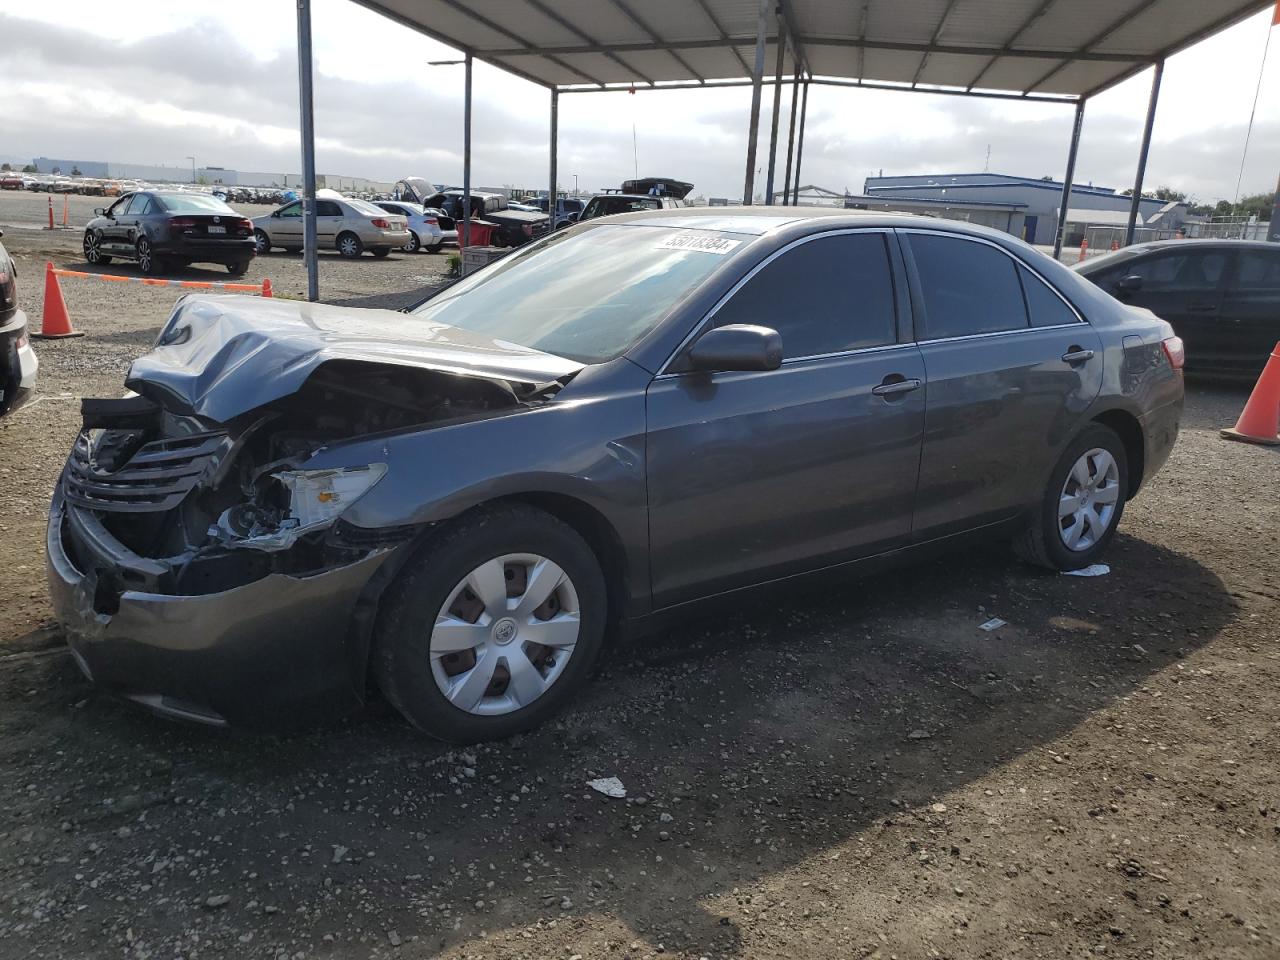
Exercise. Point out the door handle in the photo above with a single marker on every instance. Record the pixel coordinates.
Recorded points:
(1077, 355)
(890, 387)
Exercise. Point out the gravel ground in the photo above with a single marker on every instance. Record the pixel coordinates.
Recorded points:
(849, 770)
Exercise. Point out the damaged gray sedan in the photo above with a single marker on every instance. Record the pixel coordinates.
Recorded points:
(298, 503)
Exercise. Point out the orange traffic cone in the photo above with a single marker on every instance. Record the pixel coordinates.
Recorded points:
(64, 209)
(266, 286)
(1084, 249)
(1260, 420)
(56, 322)
(51, 213)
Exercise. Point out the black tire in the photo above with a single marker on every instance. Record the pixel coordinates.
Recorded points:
(93, 249)
(1041, 543)
(262, 243)
(435, 248)
(149, 262)
(292, 249)
(239, 268)
(380, 251)
(401, 661)
(349, 245)
(414, 244)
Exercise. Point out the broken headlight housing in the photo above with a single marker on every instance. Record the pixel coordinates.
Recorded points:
(319, 496)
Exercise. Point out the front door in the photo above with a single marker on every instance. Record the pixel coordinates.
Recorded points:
(286, 229)
(1010, 369)
(113, 234)
(758, 475)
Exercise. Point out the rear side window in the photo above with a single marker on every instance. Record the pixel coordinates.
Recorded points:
(327, 208)
(1181, 271)
(968, 287)
(829, 295)
(1045, 307)
(140, 205)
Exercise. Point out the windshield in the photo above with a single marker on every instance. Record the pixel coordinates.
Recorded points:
(193, 203)
(587, 295)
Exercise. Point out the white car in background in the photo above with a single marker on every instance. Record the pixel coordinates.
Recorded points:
(424, 226)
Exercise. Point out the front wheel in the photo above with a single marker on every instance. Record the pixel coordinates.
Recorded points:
(1082, 505)
(261, 242)
(349, 245)
(414, 243)
(93, 248)
(381, 251)
(493, 627)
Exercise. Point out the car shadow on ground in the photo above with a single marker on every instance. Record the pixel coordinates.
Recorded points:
(757, 739)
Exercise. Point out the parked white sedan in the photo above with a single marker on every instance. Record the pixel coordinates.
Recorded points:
(424, 227)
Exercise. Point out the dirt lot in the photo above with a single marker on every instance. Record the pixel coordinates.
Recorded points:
(853, 770)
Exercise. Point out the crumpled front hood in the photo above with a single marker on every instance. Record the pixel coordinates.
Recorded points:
(219, 356)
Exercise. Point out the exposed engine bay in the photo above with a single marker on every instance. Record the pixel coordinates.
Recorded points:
(213, 506)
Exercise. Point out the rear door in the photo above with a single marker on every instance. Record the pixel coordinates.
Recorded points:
(1004, 394)
(1249, 323)
(329, 222)
(759, 475)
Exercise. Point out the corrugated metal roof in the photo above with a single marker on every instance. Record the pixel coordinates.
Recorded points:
(1036, 48)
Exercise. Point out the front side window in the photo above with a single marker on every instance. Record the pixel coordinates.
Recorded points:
(120, 206)
(828, 295)
(587, 296)
(967, 287)
(139, 205)
(292, 210)
(1181, 271)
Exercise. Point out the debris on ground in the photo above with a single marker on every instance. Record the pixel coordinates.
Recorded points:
(1093, 570)
(609, 786)
(995, 623)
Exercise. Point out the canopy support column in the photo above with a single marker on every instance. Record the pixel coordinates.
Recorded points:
(1142, 155)
(555, 129)
(1060, 233)
(757, 81)
(791, 134)
(466, 152)
(777, 109)
(307, 126)
(804, 108)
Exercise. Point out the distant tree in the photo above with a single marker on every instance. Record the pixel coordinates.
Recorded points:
(5, 167)
(75, 172)
(202, 179)
(1259, 205)
(30, 168)
(1160, 193)
(56, 170)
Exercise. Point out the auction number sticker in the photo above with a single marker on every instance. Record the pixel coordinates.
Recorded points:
(699, 241)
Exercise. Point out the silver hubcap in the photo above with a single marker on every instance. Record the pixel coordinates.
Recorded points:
(91, 248)
(260, 241)
(1087, 505)
(144, 255)
(349, 247)
(505, 634)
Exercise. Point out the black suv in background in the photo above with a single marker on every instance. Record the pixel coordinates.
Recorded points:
(159, 229)
(18, 362)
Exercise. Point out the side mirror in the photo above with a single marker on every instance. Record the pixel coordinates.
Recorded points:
(99, 211)
(275, 213)
(1129, 284)
(738, 346)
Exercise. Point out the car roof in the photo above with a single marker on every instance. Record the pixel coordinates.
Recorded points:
(1155, 245)
(758, 220)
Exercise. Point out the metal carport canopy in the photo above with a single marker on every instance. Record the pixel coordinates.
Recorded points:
(1031, 48)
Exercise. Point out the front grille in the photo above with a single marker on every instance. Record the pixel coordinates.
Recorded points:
(157, 477)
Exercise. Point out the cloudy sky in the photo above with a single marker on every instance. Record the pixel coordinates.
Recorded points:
(175, 78)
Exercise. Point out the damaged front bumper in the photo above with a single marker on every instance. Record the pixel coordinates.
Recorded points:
(286, 646)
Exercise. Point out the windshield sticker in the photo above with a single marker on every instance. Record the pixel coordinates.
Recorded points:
(697, 240)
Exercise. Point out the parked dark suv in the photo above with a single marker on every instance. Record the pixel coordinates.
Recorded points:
(159, 229)
(18, 363)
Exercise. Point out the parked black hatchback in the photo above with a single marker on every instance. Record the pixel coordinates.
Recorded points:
(163, 229)
(1221, 296)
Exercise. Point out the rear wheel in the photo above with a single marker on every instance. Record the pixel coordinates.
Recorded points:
(148, 261)
(261, 242)
(414, 244)
(1082, 505)
(349, 245)
(493, 627)
(435, 247)
(239, 268)
(380, 251)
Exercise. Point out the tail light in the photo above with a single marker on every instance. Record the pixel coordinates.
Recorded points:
(433, 221)
(183, 223)
(244, 224)
(528, 229)
(1174, 350)
(380, 223)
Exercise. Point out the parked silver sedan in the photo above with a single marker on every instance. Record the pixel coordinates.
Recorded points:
(349, 226)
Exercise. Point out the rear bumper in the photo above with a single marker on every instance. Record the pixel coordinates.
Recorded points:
(278, 649)
(213, 251)
(385, 238)
(18, 363)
